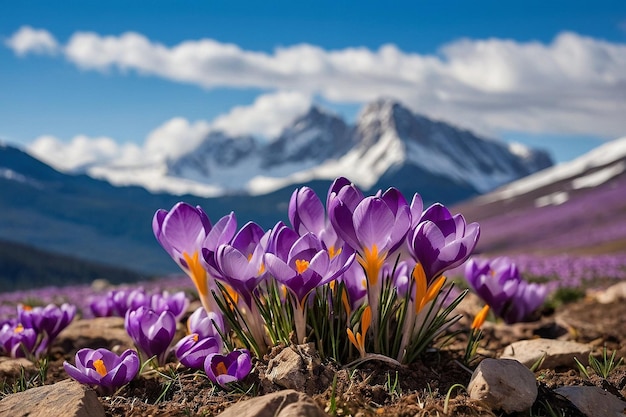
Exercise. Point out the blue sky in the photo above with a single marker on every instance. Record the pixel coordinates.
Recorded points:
(96, 80)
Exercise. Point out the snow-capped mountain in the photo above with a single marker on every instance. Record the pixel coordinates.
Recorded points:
(578, 206)
(387, 144)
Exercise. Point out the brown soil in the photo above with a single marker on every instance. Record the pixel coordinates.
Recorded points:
(377, 388)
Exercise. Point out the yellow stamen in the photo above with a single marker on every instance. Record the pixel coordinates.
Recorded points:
(18, 329)
(220, 369)
(233, 296)
(480, 317)
(249, 257)
(195, 337)
(98, 365)
(197, 273)
(332, 252)
(27, 308)
(372, 262)
(261, 269)
(301, 265)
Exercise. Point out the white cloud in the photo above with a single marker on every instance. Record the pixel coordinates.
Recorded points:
(175, 137)
(573, 85)
(267, 116)
(28, 40)
(83, 151)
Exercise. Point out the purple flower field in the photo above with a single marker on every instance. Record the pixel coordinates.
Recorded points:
(558, 271)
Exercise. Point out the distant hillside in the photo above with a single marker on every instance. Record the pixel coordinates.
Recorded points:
(23, 267)
(577, 207)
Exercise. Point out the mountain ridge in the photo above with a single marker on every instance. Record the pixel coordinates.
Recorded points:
(320, 145)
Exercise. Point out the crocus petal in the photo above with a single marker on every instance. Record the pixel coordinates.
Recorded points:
(373, 222)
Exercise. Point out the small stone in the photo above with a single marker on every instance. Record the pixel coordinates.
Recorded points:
(557, 352)
(286, 370)
(97, 332)
(287, 403)
(593, 401)
(614, 293)
(503, 384)
(65, 398)
(13, 367)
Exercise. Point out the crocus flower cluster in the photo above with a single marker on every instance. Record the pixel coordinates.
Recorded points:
(370, 263)
(34, 330)
(118, 302)
(499, 283)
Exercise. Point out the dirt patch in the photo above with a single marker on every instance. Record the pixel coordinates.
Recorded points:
(427, 387)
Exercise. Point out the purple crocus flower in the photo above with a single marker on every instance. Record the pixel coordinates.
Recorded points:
(375, 227)
(50, 319)
(224, 369)
(305, 265)
(301, 263)
(186, 234)
(205, 324)
(192, 351)
(177, 303)
(152, 332)
(241, 262)
(103, 368)
(307, 214)
(101, 306)
(500, 285)
(441, 241)
(47, 321)
(128, 299)
(17, 341)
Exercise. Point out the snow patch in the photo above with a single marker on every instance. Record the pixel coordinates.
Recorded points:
(599, 177)
(553, 199)
(602, 155)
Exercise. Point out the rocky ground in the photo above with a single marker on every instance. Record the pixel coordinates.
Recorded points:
(293, 381)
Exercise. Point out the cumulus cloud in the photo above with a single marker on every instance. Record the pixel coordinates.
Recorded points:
(28, 40)
(267, 116)
(82, 151)
(175, 137)
(573, 85)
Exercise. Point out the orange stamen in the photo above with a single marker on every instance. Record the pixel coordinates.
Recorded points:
(18, 329)
(98, 365)
(301, 265)
(220, 369)
(372, 262)
(197, 273)
(332, 252)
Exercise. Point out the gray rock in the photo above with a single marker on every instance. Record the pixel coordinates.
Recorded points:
(67, 398)
(9, 366)
(593, 401)
(557, 352)
(106, 332)
(614, 293)
(287, 403)
(503, 384)
(287, 370)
